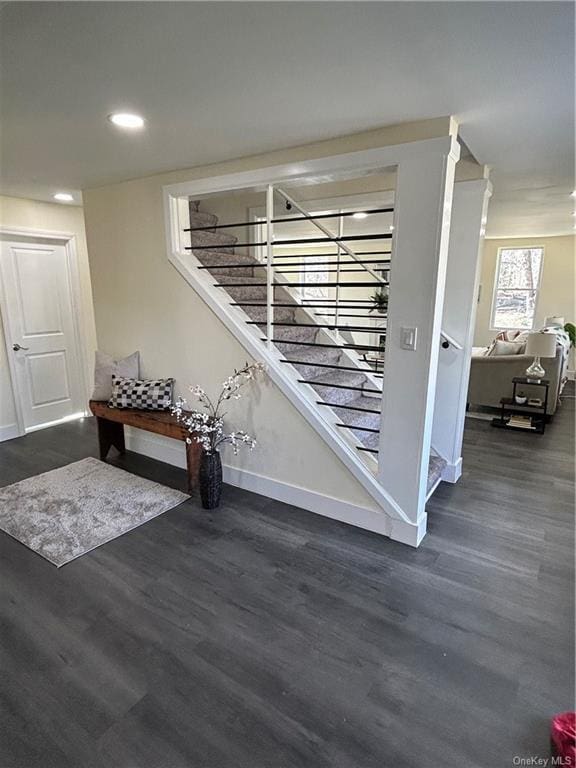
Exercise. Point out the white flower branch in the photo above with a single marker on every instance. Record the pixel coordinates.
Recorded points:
(207, 428)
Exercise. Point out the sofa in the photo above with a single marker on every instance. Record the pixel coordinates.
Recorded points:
(491, 376)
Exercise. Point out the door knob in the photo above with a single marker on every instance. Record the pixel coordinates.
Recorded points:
(17, 347)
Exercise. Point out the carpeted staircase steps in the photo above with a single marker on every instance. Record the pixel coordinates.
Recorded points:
(244, 284)
(213, 242)
(202, 219)
(332, 386)
(312, 355)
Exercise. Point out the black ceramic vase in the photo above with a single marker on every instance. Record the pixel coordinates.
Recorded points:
(210, 479)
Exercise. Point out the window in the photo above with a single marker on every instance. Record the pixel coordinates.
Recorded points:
(516, 287)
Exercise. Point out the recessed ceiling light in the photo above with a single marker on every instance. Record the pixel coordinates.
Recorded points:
(573, 194)
(359, 215)
(63, 197)
(126, 120)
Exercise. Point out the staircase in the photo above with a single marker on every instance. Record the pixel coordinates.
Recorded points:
(323, 359)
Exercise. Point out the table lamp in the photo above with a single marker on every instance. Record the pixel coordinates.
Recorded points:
(540, 345)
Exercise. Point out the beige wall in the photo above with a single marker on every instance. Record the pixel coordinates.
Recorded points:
(142, 303)
(19, 213)
(556, 289)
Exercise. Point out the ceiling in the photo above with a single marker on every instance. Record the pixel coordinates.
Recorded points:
(223, 80)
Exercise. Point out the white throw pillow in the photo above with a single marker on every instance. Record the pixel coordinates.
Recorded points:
(106, 367)
(522, 338)
(506, 348)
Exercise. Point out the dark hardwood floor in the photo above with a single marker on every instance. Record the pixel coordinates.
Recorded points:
(262, 636)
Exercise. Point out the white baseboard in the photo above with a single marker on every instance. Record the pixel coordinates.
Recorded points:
(452, 472)
(407, 533)
(9, 432)
(173, 453)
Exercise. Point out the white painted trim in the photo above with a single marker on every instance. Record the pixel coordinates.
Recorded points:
(535, 236)
(68, 240)
(309, 171)
(7, 233)
(452, 472)
(9, 432)
(410, 533)
(469, 211)
(433, 488)
(327, 506)
(417, 279)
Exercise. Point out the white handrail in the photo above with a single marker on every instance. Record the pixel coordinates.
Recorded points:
(330, 234)
(451, 340)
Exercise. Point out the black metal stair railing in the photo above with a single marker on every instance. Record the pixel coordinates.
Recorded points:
(376, 264)
(289, 219)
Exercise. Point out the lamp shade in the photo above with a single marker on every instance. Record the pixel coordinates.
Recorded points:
(541, 345)
(553, 321)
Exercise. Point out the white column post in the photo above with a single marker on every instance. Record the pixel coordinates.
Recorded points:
(423, 202)
(469, 210)
(337, 292)
(269, 263)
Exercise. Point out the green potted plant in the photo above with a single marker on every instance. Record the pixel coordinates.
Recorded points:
(380, 301)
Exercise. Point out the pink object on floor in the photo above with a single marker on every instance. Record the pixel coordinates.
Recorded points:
(563, 737)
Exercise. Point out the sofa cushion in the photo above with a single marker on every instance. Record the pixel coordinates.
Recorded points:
(506, 335)
(506, 348)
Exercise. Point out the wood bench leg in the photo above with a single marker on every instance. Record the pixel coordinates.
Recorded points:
(193, 454)
(110, 433)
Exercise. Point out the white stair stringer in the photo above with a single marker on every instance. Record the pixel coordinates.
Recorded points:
(392, 521)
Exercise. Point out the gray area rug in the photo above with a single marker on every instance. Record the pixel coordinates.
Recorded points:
(67, 512)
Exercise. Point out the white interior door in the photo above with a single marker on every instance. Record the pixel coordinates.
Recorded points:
(39, 324)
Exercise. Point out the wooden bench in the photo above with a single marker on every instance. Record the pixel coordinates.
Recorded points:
(111, 423)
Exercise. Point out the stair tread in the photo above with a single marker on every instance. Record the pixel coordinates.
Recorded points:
(233, 280)
(344, 378)
(368, 403)
(339, 394)
(223, 259)
(282, 314)
(436, 466)
(212, 238)
(202, 219)
(361, 418)
(290, 334)
(312, 355)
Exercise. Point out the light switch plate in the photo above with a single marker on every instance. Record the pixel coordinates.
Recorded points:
(408, 338)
